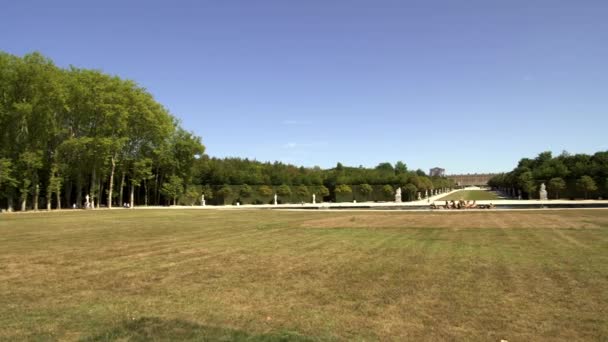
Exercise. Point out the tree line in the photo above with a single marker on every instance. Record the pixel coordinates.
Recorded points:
(69, 133)
(223, 174)
(565, 176)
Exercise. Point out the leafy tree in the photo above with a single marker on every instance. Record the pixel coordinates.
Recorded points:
(224, 191)
(207, 191)
(284, 190)
(245, 191)
(302, 192)
(556, 185)
(410, 191)
(322, 191)
(400, 167)
(173, 188)
(388, 190)
(191, 195)
(265, 191)
(586, 184)
(526, 183)
(30, 163)
(343, 189)
(142, 170)
(6, 175)
(366, 190)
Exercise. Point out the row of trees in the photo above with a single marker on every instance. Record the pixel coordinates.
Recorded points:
(67, 133)
(567, 175)
(216, 172)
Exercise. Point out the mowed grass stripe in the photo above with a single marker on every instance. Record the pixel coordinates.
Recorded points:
(470, 195)
(268, 272)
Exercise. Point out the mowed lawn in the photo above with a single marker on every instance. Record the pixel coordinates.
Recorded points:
(279, 275)
(470, 195)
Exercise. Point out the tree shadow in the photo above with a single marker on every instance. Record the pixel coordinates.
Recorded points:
(157, 329)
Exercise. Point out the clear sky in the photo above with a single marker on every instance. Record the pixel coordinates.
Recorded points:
(470, 86)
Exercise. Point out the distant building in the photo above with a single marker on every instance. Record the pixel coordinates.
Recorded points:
(437, 172)
(479, 179)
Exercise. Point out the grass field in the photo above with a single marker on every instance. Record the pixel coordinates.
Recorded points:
(269, 275)
(470, 195)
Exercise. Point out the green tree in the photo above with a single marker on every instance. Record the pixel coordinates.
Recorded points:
(302, 192)
(7, 180)
(265, 191)
(388, 190)
(30, 163)
(410, 191)
(245, 191)
(586, 184)
(284, 190)
(224, 192)
(343, 189)
(556, 185)
(207, 191)
(366, 190)
(400, 167)
(322, 191)
(526, 183)
(142, 170)
(173, 188)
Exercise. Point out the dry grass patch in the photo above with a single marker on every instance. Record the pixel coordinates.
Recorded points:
(579, 219)
(263, 275)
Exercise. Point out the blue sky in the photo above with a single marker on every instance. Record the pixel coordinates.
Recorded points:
(470, 86)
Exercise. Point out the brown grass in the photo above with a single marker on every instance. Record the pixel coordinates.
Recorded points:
(461, 219)
(265, 275)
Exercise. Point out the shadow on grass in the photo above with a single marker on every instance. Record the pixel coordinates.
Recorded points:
(156, 329)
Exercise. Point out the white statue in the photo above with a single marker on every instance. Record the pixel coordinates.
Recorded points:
(314, 199)
(203, 200)
(543, 192)
(275, 199)
(398, 195)
(87, 204)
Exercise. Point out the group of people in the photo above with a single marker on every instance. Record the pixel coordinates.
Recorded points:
(462, 204)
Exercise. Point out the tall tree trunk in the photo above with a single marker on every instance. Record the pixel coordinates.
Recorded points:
(58, 194)
(122, 186)
(49, 196)
(79, 192)
(100, 192)
(111, 182)
(36, 193)
(68, 193)
(145, 193)
(23, 202)
(92, 187)
(132, 199)
(10, 204)
(156, 187)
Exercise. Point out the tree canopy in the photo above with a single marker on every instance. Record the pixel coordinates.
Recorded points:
(567, 175)
(68, 134)
(75, 132)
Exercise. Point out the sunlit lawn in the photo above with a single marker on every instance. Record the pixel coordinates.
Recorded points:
(269, 275)
(470, 195)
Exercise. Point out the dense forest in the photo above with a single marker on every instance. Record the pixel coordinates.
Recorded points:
(70, 134)
(565, 176)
